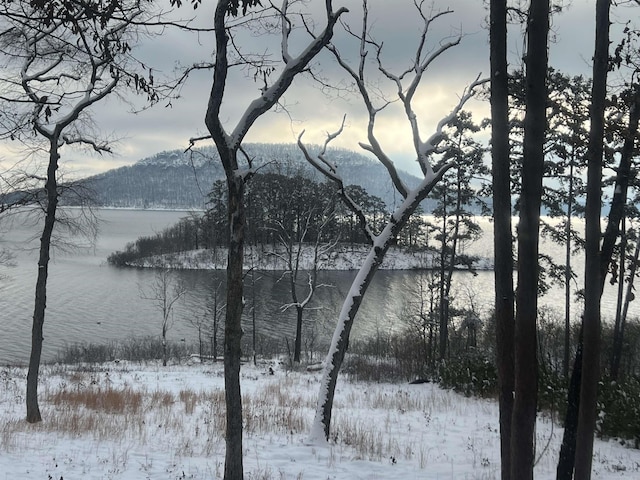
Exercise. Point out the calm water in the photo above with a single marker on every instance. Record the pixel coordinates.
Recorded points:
(90, 301)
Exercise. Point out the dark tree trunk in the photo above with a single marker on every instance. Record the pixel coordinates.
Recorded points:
(233, 468)
(298, 344)
(569, 441)
(568, 447)
(443, 302)
(594, 276)
(619, 338)
(503, 269)
(567, 278)
(617, 214)
(526, 362)
(51, 187)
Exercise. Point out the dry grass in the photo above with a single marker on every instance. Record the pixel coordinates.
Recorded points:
(192, 422)
(107, 400)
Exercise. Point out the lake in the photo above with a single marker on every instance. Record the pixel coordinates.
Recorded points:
(90, 301)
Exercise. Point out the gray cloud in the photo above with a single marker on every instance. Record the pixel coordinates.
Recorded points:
(395, 23)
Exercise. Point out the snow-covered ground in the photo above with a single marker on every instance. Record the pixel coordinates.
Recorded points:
(131, 421)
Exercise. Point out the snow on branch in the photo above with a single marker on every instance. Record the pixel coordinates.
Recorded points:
(431, 145)
(330, 170)
(270, 94)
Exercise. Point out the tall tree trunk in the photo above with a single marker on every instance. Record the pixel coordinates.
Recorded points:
(51, 188)
(566, 459)
(503, 248)
(620, 296)
(233, 330)
(567, 276)
(298, 343)
(618, 340)
(617, 214)
(526, 362)
(444, 301)
(594, 276)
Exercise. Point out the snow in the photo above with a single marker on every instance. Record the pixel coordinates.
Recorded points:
(344, 257)
(379, 431)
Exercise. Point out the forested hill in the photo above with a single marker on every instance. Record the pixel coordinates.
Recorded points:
(180, 180)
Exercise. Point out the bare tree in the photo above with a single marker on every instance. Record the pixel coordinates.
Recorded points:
(63, 59)
(406, 84)
(214, 311)
(237, 172)
(294, 248)
(164, 292)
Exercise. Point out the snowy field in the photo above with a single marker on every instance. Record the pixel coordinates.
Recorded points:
(131, 421)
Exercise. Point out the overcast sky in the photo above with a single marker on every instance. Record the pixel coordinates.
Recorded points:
(395, 23)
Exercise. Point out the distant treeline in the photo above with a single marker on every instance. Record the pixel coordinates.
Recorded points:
(279, 208)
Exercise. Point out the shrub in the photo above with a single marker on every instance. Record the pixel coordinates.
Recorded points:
(471, 374)
(619, 409)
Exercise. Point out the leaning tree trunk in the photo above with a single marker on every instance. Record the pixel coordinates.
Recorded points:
(526, 362)
(502, 243)
(340, 341)
(51, 188)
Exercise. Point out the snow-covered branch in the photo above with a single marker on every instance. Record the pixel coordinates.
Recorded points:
(330, 170)
(270, 94)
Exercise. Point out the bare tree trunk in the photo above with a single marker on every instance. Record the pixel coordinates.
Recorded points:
(228, 145)
(51, 187)
(617, 214)
(298, 343)
(566, 459)
(526, 362)
(503, 245)
(567, 278)
(164, 346)
(594, 276)
(340, 342)
(620, 294)
(618, 340)
(444, 301)
(233, 468)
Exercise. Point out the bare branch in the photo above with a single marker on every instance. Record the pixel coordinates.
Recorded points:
(330, 170)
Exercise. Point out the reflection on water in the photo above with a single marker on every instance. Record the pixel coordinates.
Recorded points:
(89, 301)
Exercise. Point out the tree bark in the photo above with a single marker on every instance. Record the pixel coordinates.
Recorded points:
(566, 458)
(51, 188)
(228, 146)
(594, 277)
(340, 341)
(233, 468)
(526, 362)
(503, 245)
(298, 343)
(619, 338)
(593, 266)
(567, 277)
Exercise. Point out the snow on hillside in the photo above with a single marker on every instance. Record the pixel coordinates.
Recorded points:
(125, 421)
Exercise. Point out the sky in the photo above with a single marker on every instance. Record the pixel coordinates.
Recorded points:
(308, 107)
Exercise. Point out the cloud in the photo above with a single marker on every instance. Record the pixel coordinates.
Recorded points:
(309, 108)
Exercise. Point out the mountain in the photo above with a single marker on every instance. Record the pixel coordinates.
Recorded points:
(181, 180)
